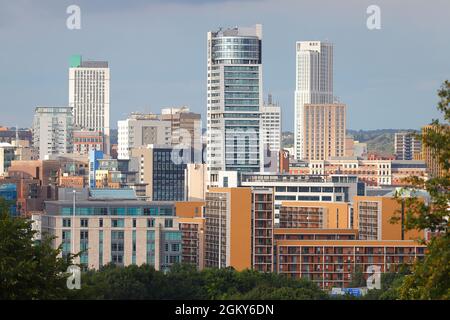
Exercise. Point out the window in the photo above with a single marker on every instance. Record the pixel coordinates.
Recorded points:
(150, 223)
(134, 223)
(84, 235)
(168, 223)
(117, 223)
(84, 223)
(66, 223)
(100, 223)
(66, 235)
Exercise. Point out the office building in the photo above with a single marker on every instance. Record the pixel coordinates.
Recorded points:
(140, 130)
(52, 131)
(111, 226)
(234, 101)
(8, 192)
(323, 128)
(406, 145)
(313, 84)
(89, 96)
(162, 169)
(7, 155)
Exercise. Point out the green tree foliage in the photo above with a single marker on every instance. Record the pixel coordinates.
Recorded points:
(430, 278)
(358, 279)
(28, 270)
(185, 282)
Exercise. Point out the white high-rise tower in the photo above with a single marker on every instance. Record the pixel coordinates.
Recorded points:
(89, 96)
(313, 83)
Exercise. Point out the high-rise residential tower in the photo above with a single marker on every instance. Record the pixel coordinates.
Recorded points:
(271, 125)
(234, 101)
(52, 131)
(89, 96)
(323, 131)
(313, 85)
(406, 145)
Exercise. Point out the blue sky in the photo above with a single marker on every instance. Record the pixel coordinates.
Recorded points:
(157, 53)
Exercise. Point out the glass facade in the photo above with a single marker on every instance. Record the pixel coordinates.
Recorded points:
(234, 100)
(168, 176)
(83, 209)
(9, 193)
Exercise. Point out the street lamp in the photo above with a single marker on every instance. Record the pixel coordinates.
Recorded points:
(73, 221)
(220, 232)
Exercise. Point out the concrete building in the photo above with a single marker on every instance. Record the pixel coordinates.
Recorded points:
(262, 236)
(52, 131)
(287, 187)
(192, 226)
(323, 128)
(185, 130)
(89, 96)
(271, 125)
(227, 215)
(372, 218)
(313, 84)
(196, 178)
(9, 135)
(36, 181)
(140, 130)
(316, 215)
(234, 101)
(372, 172)
(84, 141)
(406, 145)
(239, 228)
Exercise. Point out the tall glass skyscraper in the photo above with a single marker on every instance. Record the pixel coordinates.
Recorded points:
(234, 101)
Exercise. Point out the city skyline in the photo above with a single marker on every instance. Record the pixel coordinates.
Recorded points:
(365, 78)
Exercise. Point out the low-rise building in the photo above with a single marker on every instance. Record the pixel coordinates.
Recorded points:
(111, 226)
(333, 263)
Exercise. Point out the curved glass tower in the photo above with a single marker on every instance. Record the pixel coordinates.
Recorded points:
(234, 101)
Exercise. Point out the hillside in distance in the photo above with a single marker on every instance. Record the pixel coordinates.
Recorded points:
(380, 141)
